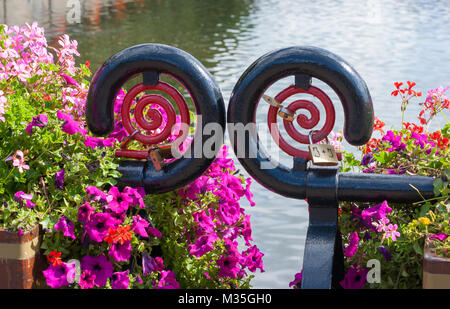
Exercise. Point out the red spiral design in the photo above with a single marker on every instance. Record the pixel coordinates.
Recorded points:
(153, 119)
(302, 120)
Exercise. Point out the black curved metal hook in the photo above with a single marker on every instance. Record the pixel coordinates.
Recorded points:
(151, 60)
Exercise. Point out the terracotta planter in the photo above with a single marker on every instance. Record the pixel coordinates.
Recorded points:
(436, 269)
(21, 261)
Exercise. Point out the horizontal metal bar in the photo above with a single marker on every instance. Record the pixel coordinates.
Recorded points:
(379, 187)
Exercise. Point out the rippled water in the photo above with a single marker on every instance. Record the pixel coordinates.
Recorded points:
(385, 41)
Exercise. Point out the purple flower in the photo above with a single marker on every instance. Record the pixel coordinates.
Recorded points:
(367, 159)
(248, 194)
(99, 266)
(387, 255)
(252, 259)
(66, 226)
(139, 226)
(352, 247)
(440, 236)
(137, 195)
(395, 141)
(84, 212)
(154, 232)
(87, 279)
(38, 121)
(95, 194)
(376, 212)
(70, 81)
(94, 142)
(118, 202)
(229, 266)
(203, 245)
(355, 278)
(70, 126)
(21, 196)
(150, 264)
(97, 227)
(120, 252)
(120, 280)
(167, 281)
(204, 221)
(59, 179)
(392, 232)
(61, 275)
(297, 283)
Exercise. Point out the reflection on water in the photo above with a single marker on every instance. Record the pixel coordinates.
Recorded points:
(384, 40)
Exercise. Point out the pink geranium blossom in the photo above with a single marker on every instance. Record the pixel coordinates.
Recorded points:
(19, 161)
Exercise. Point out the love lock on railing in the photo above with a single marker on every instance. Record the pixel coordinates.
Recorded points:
(320, 183)
(149, 114)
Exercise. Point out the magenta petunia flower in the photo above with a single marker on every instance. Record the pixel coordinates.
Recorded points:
(95, 194)
(229, 266)
(376, 212)
(120, 252)
(154, 232)
(70, 81)
(118, 202)
(297, 283)
(252, 259)
(150, 264)
(66, 226)
(22, 197)
(137, 195)
(70, 126)
(203, 245)
(246, 230)
(167, 281)
(230, 212)
(355, 278)
(352, 247)
(440, 236)
(59, 179)
(97, 227)
(204, 221)
(99, 266)
(84, 212)
(87, 279)
(38, 121)
(61, 275)
(94, 142)
(120, 280)
(140, 226)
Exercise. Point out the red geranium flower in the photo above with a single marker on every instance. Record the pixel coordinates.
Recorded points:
(54, 258)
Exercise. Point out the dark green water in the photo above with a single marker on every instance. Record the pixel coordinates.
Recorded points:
(386, 41)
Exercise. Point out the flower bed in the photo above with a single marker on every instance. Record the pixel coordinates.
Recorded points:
(95, 234)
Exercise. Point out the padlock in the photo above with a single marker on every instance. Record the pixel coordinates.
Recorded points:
(322, 154)
(286, 114)
(158, 154)
(272, 101)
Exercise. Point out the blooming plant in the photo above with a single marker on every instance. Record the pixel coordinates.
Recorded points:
(95, 233)
(394, 234)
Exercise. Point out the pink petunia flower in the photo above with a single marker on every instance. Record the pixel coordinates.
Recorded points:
(66, 226)
(99, 266)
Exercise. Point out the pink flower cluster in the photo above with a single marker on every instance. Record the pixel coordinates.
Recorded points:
(101, 219)
(225, 222)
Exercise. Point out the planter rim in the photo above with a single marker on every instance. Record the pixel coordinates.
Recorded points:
(7, 236)
(433, 263)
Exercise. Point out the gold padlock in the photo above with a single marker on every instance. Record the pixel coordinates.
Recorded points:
(322, 154)
(286, 114)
